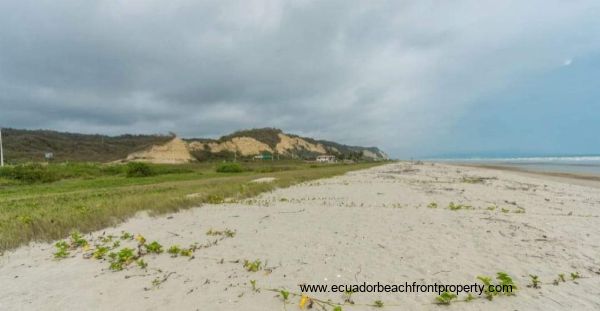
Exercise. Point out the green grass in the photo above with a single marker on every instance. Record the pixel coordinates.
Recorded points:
(89, 197)
(230, 168)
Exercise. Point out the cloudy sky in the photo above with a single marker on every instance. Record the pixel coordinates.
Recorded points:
(416, 78)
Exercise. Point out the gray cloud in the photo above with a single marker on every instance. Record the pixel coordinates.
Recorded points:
(395, 74)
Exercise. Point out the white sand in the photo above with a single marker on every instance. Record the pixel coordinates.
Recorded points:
(372, 226)
(264, 180)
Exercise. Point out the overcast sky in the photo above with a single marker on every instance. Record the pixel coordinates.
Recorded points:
(416, 78)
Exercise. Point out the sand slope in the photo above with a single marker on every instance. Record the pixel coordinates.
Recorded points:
(372, 226)
(173, 152)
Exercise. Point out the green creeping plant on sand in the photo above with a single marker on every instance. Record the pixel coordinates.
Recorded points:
(284, 295)
(187, 252)
(174, 250)
(575, 275)
(445, 298)
(506, 282)
(535, 282)
(77, 239)
(154, 247)
(227, 232)
(118, 261)
(61, 249)
(100, 252)
(487, 281)
(252, 266)
(142, 264)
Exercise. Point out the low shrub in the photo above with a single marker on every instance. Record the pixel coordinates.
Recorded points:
(170, 169)
(112, 169)
(29, 173)
(139, 169)
(273, 169)
(229, 168)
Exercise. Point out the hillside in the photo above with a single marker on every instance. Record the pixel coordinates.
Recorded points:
(256, 141)
(31, 145)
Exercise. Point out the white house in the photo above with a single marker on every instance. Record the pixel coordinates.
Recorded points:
(325, 158)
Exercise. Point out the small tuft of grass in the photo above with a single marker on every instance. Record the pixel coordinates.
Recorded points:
(227, 233)
(253, 284)
(456, 207)
(142, 264)
(187, 252)
(473, 179)
(575, 275)
(174, 250)
(214, 199)
(535, 281)
(126, 235)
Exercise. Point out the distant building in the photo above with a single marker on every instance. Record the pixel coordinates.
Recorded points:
(326, 158)
(49, 156)
(264, 156)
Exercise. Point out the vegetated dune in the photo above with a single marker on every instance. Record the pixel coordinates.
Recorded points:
(244, 146)
(393, 224)
(247, 146)
(289, 144)
(173, 152)
(274, 141)
(179, 151)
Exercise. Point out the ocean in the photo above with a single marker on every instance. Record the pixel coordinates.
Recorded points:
(589, 165)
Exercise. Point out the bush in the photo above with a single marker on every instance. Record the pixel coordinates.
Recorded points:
(273, 169)
(229, 168)
(139, 169)
(113, 169)
(170, 169)
(29, 173)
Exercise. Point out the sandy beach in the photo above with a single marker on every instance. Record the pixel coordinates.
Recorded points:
(389, 224)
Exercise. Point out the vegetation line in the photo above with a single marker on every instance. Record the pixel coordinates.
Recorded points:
(46, 203)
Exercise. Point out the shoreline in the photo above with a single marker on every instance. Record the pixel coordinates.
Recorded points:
(589, 180)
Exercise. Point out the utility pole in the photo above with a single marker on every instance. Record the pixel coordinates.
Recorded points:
(1, 150)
